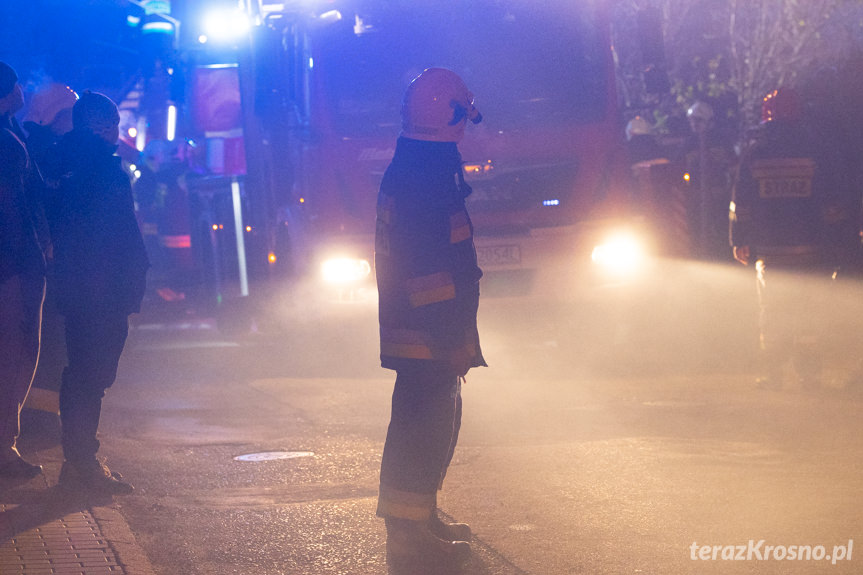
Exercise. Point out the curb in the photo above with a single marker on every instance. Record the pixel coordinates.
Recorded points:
(119, 535)
(47, 530)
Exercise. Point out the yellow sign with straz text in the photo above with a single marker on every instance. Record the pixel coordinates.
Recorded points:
(784, 177)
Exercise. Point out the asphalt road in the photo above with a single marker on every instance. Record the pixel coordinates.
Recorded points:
(613, 434)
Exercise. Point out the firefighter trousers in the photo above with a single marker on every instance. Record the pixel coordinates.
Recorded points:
(93, 346)
(21, 298)
(421, 440)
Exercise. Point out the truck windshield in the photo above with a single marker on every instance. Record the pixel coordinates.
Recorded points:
(528, 64)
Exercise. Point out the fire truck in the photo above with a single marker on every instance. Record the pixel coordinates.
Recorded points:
(315, 92)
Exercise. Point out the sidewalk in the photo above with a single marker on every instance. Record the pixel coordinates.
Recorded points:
(45, 530)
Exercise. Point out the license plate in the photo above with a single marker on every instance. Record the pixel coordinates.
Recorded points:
(785, 187)
(498, 255)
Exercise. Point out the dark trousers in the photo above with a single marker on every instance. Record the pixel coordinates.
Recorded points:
(421, 440)
(93, 346)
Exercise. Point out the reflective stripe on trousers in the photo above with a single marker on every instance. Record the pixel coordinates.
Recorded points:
(21, 300)
(421, 439)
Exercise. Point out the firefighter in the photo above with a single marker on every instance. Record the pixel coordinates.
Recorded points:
(641, 144)
(708, 160)
(163, 202)
(48, 117)
(776, 224)
(428, 282)
(22, 280)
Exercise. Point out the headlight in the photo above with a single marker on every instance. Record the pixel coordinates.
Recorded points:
(622, 253)
(345, 271)
(225, 26)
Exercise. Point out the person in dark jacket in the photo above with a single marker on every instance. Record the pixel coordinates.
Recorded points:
(48, 117)
(428, 283)
(22, 280)
(100, 265)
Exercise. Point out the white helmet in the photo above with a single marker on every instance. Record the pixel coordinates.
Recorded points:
(699, 115)
(637, 126)
(700, 110)
(436, 107)
(47, 103)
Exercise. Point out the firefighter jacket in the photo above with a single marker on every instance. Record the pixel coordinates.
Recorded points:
(163, 200)
(20, 250)
(425, 260)
(100, 262)
(778, 201)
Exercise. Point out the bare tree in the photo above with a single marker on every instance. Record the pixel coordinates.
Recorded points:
(732, 52)
(773, 42)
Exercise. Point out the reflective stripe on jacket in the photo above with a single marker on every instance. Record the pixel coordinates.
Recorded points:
(425, 260)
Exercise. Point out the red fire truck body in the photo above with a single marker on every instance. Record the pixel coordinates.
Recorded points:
(545, 162)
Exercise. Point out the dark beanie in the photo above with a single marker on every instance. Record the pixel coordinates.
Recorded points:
(8, 79)
(95, 112)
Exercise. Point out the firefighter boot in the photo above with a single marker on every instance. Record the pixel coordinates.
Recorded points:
(17, 468)
(449, 531)
(93, 476)
(412, 549)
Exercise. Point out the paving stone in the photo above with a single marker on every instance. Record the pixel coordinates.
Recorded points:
(71, 545)
(87, 541)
